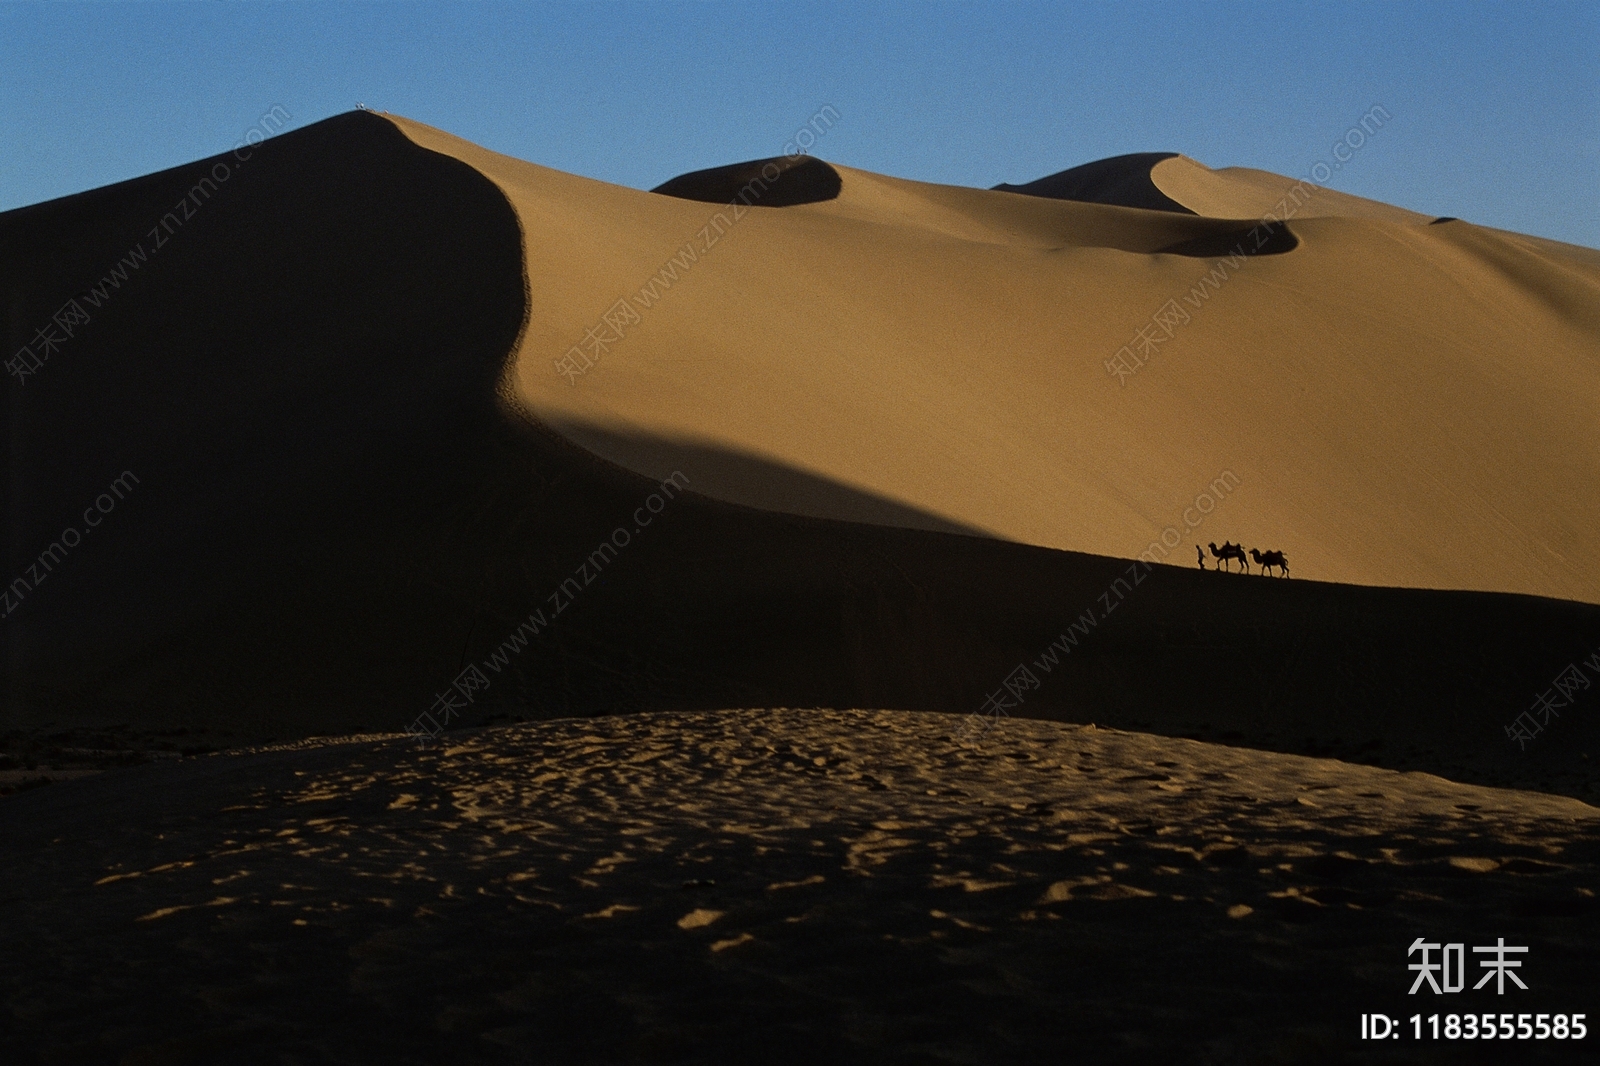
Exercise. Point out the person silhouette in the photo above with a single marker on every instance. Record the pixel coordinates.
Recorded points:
(1200, 555)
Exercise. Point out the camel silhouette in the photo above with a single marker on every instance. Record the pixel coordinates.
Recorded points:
(1229, 551)
(1267, 560)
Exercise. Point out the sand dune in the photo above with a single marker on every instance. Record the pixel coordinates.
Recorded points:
(1167, 181)
(1404, 404)
(1240, 192)
(857, 451)
(789, 181)
(355, 480)
(774, 886)
(1124, 180)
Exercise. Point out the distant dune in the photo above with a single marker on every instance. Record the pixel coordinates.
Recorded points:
(1167, 181)
(1239, 192)
(1124, 180)
(789, 181)
(905, 466)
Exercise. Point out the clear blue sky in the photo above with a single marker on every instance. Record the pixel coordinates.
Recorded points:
(1496, 106)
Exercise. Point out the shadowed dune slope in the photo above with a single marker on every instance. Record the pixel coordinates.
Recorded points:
(1123, 180)
(300, 379)
(793, 180)
(342, 500)
(1403, 404)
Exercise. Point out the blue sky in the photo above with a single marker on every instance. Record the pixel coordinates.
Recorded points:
(1496, 106)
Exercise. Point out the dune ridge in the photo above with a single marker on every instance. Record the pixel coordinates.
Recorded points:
(1124, 180)
(1302, 372)
(781, 182)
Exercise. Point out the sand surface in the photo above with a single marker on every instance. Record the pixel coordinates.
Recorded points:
(907, 475)
(1405, 404)
(774, 886)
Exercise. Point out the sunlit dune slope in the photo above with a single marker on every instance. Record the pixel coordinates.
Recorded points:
(343, 499)
(1241, 192)
(1402, 404)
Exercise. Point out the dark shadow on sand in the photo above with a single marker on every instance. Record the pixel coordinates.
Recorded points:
(782, 181)
(1263, 238)
(334, 516)
(1122, 180)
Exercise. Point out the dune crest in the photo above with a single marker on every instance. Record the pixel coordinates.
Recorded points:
(1241, 192)
(1123, 180)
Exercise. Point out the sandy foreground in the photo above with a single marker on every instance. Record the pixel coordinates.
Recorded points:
(773, 886)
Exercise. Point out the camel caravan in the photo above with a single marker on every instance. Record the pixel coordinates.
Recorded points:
(1267, 561)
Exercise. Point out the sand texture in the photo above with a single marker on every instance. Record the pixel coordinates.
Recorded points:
(773, 886)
